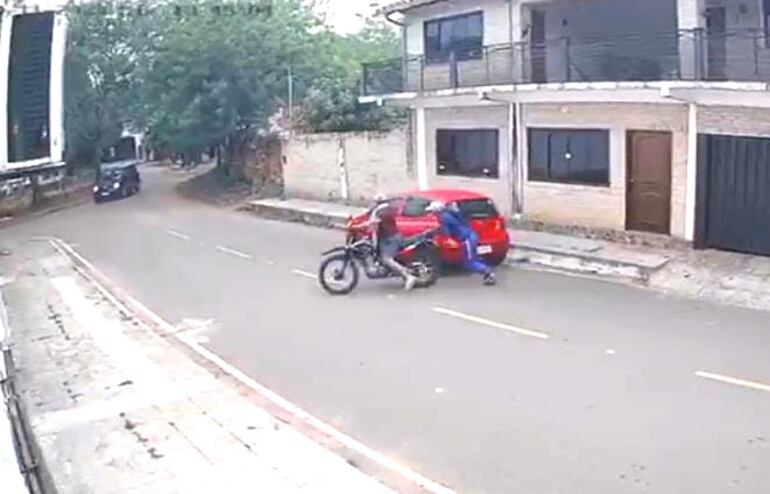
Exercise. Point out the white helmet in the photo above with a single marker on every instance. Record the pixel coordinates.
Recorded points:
(435, 207)
(380, 198)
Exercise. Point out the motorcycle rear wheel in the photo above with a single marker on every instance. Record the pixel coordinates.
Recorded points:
(338, 274)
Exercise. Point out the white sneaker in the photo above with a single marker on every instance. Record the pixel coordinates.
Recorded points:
(410, 282)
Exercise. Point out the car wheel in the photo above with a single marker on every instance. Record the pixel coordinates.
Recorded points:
(496, 261)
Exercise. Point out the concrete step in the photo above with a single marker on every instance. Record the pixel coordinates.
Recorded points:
(583, 256)
(314, 213)
(549, 251)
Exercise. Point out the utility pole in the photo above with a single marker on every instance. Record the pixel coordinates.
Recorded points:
(291, 91)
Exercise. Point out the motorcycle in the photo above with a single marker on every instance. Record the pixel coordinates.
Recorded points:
(340, 270)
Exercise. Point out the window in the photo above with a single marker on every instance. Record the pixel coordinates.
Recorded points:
(471, 153)
(766, 20)
(477, 209)
(569, 156)
(461, 35)
(29, 87)
(415, 207)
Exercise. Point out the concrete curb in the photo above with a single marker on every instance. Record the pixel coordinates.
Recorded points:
(76, 197)
(312, 217)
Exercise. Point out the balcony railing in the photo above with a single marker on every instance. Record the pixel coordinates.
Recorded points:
(686, 55)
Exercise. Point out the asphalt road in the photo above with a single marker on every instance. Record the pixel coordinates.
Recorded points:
(449, 380)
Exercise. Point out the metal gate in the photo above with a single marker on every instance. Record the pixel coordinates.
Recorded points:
(734, 193)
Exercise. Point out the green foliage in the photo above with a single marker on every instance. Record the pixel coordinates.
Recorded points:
(199, 75)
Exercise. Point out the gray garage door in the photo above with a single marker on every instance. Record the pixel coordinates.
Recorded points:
(734, 193)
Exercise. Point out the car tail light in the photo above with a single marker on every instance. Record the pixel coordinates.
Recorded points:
(498, 224)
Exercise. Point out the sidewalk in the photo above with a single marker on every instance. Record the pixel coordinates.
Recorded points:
(537, 249)
(11, 477)
(721, 277)
(117, 408)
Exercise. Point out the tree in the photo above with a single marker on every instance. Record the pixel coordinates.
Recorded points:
(206, 74)
(332, 103)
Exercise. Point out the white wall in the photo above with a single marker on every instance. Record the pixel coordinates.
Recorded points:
(487, 117)
(373, 162)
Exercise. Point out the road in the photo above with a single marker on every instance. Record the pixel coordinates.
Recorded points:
(616, 395)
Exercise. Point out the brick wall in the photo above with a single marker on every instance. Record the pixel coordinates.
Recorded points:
(605, 207)
(734, 121)
(373, 162)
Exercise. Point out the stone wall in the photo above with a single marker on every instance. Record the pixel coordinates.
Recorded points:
(349, 166)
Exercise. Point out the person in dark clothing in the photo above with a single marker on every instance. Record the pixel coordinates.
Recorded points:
(388, 239)
(454, 225)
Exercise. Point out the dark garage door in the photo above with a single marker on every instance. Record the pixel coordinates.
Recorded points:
(734, 193)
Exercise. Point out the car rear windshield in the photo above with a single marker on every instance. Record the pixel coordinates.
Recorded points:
(476, 209)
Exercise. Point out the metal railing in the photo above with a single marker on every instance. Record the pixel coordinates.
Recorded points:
(685, 55)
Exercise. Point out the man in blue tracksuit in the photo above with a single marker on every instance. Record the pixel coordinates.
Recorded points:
(454, 225)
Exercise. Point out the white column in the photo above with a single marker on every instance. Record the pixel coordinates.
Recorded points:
(689, 13)
(5, 65)
(422, 151)
(512, 179)
(521, 161)
(343, 169)
(691, 20)
(56, 107)
(692, 172)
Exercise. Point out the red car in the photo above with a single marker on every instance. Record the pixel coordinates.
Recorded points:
(480, 210)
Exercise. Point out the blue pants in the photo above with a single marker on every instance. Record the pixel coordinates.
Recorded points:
(471, 260)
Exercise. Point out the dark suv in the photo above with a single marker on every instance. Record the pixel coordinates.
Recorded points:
(119, 179)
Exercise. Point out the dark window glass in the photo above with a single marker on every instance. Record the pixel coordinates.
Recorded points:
(462, 35)
(472, 153)
(478, 209)
(415, 207)
(569, 156)
(766, 14)
(29, 87)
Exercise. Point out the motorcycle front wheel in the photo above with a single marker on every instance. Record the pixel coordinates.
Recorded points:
(338, 274)
(426, 266)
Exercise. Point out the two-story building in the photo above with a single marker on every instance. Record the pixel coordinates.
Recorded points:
(649, 116)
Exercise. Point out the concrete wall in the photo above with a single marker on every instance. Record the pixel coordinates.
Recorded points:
(605, 207)
(373, 162)
(489, 117)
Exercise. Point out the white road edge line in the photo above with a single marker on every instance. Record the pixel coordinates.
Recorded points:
(233, 252)
(178, 235)
(306, 274)
(734, 380)
(300, 414)
(490, 323)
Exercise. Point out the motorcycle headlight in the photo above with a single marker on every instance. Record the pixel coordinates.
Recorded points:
(116, 185)
(96, 188)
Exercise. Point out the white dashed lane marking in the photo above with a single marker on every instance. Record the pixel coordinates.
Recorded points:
(735, 381)
(305, 274)
(491, 324)
(233, 252)
(178, 235)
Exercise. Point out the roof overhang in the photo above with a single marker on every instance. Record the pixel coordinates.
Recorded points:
(406, 5)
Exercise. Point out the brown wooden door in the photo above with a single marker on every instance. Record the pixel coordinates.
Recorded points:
(649, 181)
